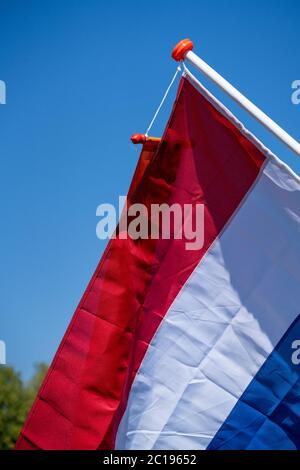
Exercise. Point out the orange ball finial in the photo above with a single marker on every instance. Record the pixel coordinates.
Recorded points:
(181, 49)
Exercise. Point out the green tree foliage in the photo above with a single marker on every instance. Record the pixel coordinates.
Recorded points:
(16, 399)
(34, 383)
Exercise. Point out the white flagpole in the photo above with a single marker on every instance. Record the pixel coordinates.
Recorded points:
(183, 51)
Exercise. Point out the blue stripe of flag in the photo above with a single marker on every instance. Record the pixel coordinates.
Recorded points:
(267, 416)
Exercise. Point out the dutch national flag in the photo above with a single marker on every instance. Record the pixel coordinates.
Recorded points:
(172, 348)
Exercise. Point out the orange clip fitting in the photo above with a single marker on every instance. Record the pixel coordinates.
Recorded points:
(138, 138)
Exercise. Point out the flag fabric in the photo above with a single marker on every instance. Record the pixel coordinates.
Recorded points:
(172, 348)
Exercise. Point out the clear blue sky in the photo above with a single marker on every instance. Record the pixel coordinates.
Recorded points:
(82, 76)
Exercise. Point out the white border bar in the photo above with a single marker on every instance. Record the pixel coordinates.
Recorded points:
(193, 59)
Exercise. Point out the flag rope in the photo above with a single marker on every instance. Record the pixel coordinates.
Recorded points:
(162, 101)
